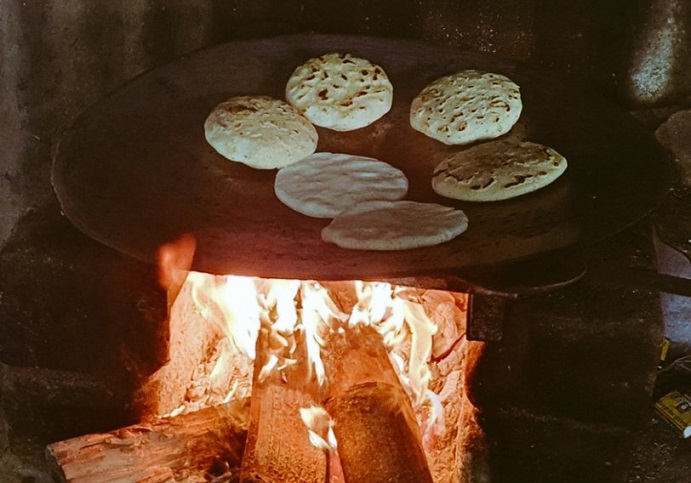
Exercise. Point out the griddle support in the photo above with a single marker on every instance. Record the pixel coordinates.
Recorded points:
(485, 321)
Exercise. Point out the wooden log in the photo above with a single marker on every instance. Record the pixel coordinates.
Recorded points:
(378, 435)
(278, 447)
(194, 338)
(192, 447)
(188, 337)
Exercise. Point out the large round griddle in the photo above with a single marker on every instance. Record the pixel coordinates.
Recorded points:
(135, 170)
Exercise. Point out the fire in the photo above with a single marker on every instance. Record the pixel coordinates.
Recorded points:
(317, 310)
(320, 427)
(174, 261)
(237, 299)
(294, 312)
(243, 306)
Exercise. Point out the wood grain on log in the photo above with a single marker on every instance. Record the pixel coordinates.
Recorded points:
(278, 447)
(188, 336)
(190, 447)
(378, 436)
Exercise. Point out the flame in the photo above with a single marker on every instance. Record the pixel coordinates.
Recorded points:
(291, 319)
(221, 366)
(280, 294)
(236, 298)
(284, 310)
(401, 320)
(319, 427)
(318, 311)
(248, 305)
(435, 421)
(175, 260)
(422, 329)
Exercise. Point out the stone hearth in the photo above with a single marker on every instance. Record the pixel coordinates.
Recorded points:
(566, 395)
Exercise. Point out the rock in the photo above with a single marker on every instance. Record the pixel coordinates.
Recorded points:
(675, 135)
(657, 66)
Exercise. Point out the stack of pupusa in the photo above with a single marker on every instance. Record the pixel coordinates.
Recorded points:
(363, 195)
(472, 106)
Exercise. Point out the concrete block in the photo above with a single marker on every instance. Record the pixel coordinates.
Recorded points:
(588, 352)
(528, 446)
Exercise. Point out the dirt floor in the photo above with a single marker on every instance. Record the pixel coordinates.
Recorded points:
(659, 454)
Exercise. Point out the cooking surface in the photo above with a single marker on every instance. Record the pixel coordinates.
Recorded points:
(135, 170)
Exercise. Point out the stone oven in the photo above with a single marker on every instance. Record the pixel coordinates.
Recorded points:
(527, 352)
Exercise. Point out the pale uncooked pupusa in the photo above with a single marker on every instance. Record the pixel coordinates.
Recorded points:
(325, 184)
(394, 225)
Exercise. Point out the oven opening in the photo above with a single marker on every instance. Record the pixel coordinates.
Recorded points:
(290, 380)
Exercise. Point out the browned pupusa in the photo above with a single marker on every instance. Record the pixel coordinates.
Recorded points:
(340, 91)
(497, 170)
(466, 107)
(260, 131)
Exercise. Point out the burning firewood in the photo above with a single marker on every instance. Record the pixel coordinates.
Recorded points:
(359, 350)
(191, 447)
(278, 447)
(378, 436)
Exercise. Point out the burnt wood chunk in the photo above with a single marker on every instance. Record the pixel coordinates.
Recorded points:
(187, 336)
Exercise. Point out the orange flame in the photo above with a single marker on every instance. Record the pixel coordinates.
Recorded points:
(241, 307)
(175, 260)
